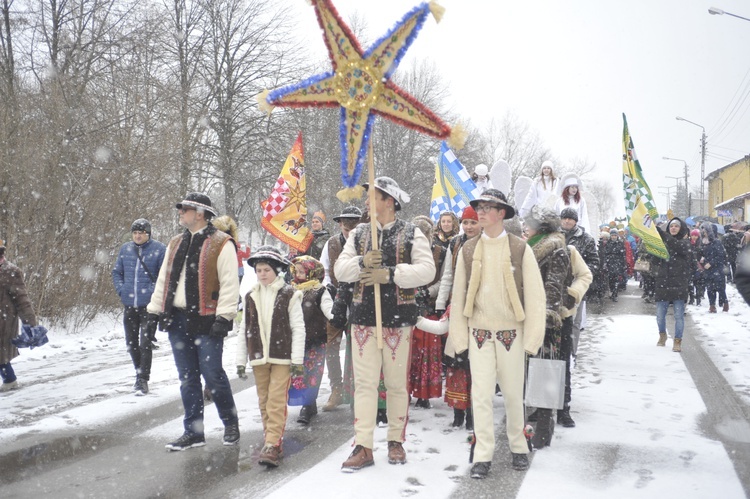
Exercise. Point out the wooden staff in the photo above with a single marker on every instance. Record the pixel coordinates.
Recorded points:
(374, 240)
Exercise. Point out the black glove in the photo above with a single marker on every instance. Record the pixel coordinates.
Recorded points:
(338, 321)
(151, 323)
(220, 327)
(241, 372)
(462, 359)
(439, 313)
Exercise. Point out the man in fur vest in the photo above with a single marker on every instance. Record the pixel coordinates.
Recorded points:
(195, 301)
(347, 220)
(403, 263)
(498, 314)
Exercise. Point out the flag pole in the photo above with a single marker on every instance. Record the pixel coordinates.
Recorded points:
(374, 240)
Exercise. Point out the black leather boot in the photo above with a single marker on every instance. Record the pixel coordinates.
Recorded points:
(545, 428)
(458, 418)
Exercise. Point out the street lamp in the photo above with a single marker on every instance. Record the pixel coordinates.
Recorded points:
(703, 157)
(718, 12)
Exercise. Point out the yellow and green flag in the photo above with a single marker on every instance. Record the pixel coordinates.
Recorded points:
(639, 202)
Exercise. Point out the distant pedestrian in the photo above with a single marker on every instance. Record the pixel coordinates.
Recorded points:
(714, 260)
(134, 278)
(195, 301)
(14, 304)
(320, 235)
(614, 263)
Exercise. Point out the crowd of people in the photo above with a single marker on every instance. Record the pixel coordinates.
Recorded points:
(450, 310)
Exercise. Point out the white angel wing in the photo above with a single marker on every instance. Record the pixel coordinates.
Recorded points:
(521, 190)
(500, 176)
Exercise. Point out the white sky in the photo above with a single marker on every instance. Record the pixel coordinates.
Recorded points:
(571, 68)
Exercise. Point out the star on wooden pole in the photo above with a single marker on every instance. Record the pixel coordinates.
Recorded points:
(359, 84)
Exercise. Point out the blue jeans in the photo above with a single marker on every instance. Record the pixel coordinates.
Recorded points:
(196, 356)
(6, 372)
(679, 316)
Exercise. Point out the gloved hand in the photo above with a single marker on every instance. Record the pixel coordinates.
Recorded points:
(372, 258)
(297, 370)
(338, 321)
(553, 320)
(220, 327)
(370, 277)
(462, 359)
(151, 323)
(439, 312)
(241, 372)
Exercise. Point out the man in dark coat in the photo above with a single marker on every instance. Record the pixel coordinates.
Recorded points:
(134, 278)
(614, 262)
(576, 236)
(672, 279)
(14, 304)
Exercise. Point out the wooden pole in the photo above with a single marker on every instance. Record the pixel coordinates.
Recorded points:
(374, 239)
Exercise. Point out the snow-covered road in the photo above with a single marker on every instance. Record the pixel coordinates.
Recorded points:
(641, 425)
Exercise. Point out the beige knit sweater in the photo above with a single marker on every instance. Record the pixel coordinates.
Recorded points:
(492, 308)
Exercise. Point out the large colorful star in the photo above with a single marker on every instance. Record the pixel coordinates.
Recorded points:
(360, 85)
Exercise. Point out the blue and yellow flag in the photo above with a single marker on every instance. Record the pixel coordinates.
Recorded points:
(639, 202)
(453, 187)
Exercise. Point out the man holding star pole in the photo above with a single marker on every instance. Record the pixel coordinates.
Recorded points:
(390, 258)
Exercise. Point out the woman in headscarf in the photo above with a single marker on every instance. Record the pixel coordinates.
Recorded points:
(316, 309)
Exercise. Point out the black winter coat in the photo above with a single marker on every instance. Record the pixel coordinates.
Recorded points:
(715, 255)
(672, 277)
(614, 257)
(742, 278)
(586, 246)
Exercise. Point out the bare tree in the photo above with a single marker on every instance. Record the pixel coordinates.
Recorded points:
(602, 201)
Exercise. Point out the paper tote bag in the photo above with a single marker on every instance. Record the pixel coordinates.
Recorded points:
(545, 384)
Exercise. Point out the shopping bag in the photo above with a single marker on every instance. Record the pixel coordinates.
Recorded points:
(545, 383)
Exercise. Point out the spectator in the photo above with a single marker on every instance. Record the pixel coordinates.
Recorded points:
(14, 304)
(134, 277)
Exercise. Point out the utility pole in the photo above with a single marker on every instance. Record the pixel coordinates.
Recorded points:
(703, 158)
(703, 166)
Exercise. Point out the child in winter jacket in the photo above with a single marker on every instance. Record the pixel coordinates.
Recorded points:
(316, 309)
(273, 331)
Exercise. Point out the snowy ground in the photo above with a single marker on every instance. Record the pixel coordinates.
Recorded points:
(636, 406)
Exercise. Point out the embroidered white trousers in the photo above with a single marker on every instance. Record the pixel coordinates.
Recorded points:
(367, 361)
(497, 357)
